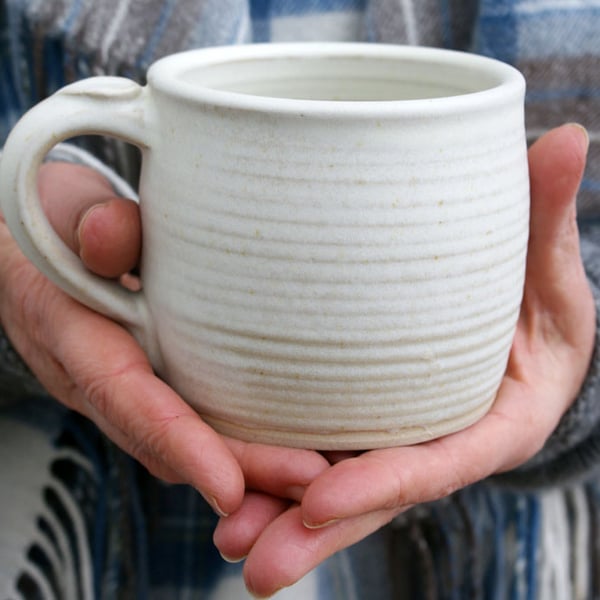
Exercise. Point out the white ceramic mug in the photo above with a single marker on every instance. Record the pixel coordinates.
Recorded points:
(334, 234)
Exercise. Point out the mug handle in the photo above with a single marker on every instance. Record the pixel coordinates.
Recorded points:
(113, 106)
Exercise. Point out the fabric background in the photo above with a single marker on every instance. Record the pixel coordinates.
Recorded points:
(489, 541)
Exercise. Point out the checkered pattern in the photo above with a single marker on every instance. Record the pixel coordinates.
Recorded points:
(45, 44)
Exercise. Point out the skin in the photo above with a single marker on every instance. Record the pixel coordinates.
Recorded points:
(288, 510)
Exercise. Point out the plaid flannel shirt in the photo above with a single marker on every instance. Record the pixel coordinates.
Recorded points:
(45, 44)
(150, 540)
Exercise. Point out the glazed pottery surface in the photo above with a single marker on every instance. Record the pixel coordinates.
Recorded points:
(334, 234)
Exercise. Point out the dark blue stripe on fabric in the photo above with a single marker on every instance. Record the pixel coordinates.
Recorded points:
(533, 538)
(497, 35)
(495, 584)
(9, 101)
(590, 185)
(521, 523)
(28, 45)
(14, 28)
(140, 528)
(283, 8)
(262, 9)
(447, 29)
(147, 56)
(53, 66)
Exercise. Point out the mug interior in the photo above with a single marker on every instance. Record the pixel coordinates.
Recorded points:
(342, 78)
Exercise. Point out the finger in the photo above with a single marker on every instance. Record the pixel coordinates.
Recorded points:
(114, 385)
(512, 431)
(279, 471)
(110, 237)
(555, 274)
(81, 205)
(235, 535)
(556, 165)
(74, 351)
(286, 550)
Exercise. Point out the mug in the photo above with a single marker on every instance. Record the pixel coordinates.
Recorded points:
(334, 235)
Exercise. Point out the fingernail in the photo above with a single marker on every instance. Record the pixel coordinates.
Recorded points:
(320, 525)
(83, 220)
(260, 596)
(586, 135)
(215, 506)
(230, 559)
(254, 594)
(86, 215)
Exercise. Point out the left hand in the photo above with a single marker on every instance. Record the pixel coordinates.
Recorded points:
(547, 365)
(94, 366)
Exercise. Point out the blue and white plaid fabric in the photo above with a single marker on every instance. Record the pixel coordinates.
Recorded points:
(151, 540)
(556, 44)
(45, 44)
(517, 30)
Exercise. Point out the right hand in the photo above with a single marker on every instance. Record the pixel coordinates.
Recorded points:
(549, 359)
(94, 366)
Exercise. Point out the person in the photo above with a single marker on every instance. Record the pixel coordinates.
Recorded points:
(509, 507)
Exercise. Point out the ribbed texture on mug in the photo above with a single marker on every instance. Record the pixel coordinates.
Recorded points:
(347, 295)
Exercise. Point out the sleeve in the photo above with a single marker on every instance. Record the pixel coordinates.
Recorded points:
(572, 453)
(16, 380)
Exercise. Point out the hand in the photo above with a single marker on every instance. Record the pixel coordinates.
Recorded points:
(95, 367)
(548, 362)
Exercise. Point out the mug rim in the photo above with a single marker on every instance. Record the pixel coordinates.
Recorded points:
(166, 75)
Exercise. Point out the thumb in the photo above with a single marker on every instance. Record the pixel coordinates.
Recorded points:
(556, 165)
(557, 304)
(103, 229)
